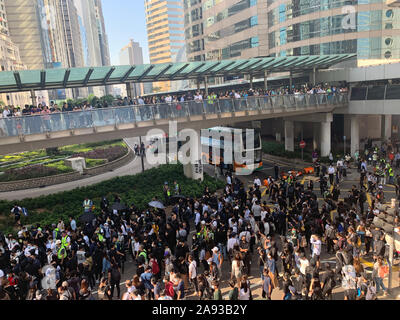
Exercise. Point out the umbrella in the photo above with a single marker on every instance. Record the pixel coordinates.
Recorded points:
(87, 217)
(176, 198)
(156, 204)
(118, 206)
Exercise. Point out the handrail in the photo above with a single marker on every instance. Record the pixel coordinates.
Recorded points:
(113, 116)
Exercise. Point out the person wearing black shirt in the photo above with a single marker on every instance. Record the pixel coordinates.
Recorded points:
(287, 295)
(244, 247)
(328, 282)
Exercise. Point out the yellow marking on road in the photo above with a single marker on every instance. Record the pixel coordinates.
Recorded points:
(264, 192)
(371, 264)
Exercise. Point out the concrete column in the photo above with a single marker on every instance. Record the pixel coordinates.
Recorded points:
(289, 135)
(33, 97)
(314, 76)
(325, 139)
(195, 169)
(251, 81)
(388, 126)
(355, 134)
(290, 81)
(206, 85)
(265, 80)
(129, 90)
(316, 136)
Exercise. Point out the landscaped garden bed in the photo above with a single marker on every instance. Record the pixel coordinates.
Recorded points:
(137, 189)
(50, 162)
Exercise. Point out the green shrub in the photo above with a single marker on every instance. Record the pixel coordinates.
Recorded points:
(278, 149)
(91, 163)
(139, 189)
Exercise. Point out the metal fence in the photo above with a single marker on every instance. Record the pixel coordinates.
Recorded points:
(53, 122)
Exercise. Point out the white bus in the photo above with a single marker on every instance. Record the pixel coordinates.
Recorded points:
(215, 141)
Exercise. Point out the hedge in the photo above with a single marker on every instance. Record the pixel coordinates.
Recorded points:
(277, 149)
(138, 189)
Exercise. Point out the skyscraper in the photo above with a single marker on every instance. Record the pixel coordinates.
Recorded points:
(103, 39)
(10, 60)
(165, 32)
(73, 40)
(94, 37)
(36, 27)
(132, 54)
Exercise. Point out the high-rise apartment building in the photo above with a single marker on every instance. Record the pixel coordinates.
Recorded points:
(165, 32)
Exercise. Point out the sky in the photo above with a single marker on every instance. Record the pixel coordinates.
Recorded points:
(125, 20)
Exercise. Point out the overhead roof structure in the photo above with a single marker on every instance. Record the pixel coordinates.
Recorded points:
(26, 80)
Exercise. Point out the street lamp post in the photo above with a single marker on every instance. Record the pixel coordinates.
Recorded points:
(141, 153)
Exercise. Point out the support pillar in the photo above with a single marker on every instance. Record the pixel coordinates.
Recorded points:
(325, 139)
(265, 80)
(251, 81)
(291, 81)
(314, 76)
(355, 135)
(316, 136)
(289, 135)
(194, 170)
(129, 90)
(388, 127)
(206, 85)
(33, 97)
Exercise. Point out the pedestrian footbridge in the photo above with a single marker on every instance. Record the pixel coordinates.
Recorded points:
(27, 133)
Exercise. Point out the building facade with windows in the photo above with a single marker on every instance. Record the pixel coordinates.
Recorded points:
(165, 33)
(234, 29)
(370, 28)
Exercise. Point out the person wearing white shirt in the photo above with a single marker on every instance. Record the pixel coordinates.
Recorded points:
(257, 182)
(193, 273)
(331, 172)
(266, 228)
(304, 263)
(197, 218)
(72, 223)
(198, 97)
(316, 247)
(168, 99)
(232, 241)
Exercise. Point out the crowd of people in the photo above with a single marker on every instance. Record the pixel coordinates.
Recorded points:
(43, 108)
(279, 235)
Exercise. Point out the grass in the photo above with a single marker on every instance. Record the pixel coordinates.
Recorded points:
(91, 163)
